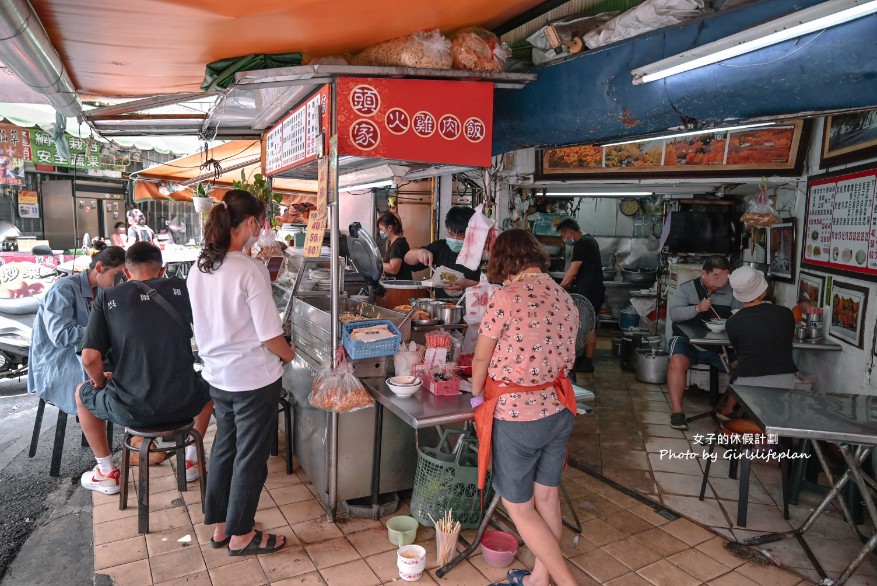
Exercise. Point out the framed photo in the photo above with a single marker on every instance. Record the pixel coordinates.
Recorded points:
(849, 137)
(848, 304)
(814, 287)
(723, 153)
(781, 251)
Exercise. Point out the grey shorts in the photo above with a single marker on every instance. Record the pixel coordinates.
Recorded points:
(527, 452)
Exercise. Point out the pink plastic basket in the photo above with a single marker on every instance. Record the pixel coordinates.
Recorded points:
(441, 387)
(499, 548)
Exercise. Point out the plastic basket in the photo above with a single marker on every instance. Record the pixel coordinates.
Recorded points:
(358, 349)
(441, 387)
(449, 480)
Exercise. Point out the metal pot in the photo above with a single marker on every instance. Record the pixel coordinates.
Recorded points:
(609, 273)
(638, 276)
(449, 313)
(422, 304)
(631, 341)
(651, 366)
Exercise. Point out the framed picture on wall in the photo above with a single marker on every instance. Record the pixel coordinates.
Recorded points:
(813, 286)
(781, 251)
(849, 137)
(847, 306)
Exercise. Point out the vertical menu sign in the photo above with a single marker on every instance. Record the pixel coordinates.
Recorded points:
(841, 225)
(296, 138)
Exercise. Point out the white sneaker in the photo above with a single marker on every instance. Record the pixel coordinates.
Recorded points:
(192, 471)
(94, 480)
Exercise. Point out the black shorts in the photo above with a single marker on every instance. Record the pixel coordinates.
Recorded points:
(102, 406)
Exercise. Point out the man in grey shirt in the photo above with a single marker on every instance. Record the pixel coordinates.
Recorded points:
(700, 298)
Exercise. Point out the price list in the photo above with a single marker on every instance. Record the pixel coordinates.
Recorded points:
(294, 140)
(841, 225)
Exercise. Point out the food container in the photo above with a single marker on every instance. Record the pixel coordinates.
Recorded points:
(651, 366)
(633, 340)
(716, 325)
(404, 386)
(499, 548)
(441, 388)
(448, 313)
(421, 304)
(402, 530)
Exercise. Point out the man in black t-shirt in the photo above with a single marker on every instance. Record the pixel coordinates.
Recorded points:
(585, 277)
(154, 381)
(444, 252)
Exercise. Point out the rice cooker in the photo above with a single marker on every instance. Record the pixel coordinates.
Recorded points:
(631, 341)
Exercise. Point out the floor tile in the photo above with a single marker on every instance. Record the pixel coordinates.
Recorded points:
(355, 525)
(130, 574)
(464, 574)
(628, 523)
(271, 518)
(758, 517)
(660, 542)
(311, 579)
(680, 484)
(690, 533)
(698, 564)
(384, 565)
(168, 519)
(729, 489)
(110, 511)
(666, 463)
(316, 530)
(600, 565)
(649, 514)
(248, 572)
(331, 553)
(289, 562)
(632, 579)
(663, 573)
(707, 512)
(167, 541)
(176, 563)
(370, 542)
(121, 552)
(303, 511)
(280, 479)
(114, 531)
(196, 579)
(768, 575)
(600, 533)
(355, 572)
(291, 494)
(631, 553)
(715, 548)
(732, 579)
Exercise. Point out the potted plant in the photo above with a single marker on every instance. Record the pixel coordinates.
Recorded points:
(261, 188)
(202, 200)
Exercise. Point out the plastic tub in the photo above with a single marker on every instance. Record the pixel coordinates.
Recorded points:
(499, 548)
(402, 530)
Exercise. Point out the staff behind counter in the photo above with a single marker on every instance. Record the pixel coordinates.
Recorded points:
(444, 252)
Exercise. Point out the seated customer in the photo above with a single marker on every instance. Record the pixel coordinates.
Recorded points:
(704, 298)
(155, 382)
(444, 253)
(761, 334)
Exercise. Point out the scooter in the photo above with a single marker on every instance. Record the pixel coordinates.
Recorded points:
(16, 330)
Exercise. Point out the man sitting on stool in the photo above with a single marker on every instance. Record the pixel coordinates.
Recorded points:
(707, 297)
(155, 382)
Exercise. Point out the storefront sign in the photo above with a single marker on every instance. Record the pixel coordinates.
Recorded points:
(840, 229)
(317, 218)
(27, 275)
(28, 204)
(14, 151)
(296, 138)
(448, 122)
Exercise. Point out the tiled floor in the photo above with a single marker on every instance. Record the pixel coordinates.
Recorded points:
(624, 541)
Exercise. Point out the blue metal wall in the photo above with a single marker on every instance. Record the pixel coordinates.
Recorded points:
(591, 98)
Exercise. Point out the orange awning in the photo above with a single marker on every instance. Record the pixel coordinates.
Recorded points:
(234, 156)
(162, 46)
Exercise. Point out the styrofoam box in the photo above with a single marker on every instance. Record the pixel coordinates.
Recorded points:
(699, 376)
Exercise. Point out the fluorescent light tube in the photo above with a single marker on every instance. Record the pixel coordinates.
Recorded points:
(690, 133)
(384, 183)
(799, 23)
(599, 194)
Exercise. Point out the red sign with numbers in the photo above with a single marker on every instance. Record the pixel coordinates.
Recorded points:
(447, 122)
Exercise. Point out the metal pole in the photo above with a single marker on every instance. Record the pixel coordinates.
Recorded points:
(335, 267)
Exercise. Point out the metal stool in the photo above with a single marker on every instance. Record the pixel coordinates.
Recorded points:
(733, 432)
(287, 409)
(60, 430)
(180, 436)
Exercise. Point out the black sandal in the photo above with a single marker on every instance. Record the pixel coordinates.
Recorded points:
(254, 546)
(217, 544)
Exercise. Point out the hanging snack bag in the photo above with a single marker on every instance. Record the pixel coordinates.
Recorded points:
(477, 49)
(426, 49)
(760, 213)
(337, 389)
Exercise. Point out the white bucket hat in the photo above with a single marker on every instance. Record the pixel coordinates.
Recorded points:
(748, 284)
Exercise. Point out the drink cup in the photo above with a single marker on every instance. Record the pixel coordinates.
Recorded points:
(411, 561)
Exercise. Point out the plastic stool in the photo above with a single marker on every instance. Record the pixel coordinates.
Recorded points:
(180, 436)
(733, 431)
(287, 409)
(60, 430)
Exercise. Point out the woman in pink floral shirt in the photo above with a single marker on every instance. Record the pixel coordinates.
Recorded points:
(525, 347)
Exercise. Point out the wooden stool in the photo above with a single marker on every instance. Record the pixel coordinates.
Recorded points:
(732, 434)
(180, 436)
(60, 430)
(287, 409)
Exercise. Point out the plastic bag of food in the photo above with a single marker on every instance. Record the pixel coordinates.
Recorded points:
(427, 49)
(760, 213)
(337, 389)
(477, 49)
(266, 245)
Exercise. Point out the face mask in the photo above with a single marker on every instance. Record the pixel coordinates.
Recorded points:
(569, 242)
(251, 240)
(454, 244)
(383, 235)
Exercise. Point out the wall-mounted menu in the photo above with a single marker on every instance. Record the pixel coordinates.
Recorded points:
(840, 229)
(294, 140)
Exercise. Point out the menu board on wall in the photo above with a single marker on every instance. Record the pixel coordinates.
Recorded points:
(840, 229)
(294, 139)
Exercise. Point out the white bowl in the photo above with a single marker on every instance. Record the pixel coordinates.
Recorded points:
(716, 327)
(404, 386)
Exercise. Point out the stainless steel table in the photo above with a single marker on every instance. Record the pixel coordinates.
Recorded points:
(423, 409)
(846, 420)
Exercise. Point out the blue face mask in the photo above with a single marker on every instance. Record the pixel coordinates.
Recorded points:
(569, 242)
(383, 235)
(454, 244)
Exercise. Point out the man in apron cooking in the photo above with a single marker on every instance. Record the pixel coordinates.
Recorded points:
(707, 297)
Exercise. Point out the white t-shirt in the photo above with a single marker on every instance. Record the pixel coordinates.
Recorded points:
(233, 313)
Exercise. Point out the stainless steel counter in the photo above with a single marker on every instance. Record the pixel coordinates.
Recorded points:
(422, 409)
(697, 333)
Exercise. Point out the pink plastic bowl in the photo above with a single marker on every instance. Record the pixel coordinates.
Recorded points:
(499, 548)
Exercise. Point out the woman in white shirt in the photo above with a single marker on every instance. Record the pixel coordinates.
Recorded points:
(240, 341)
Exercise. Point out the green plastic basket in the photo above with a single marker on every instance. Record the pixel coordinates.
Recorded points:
(449, 480)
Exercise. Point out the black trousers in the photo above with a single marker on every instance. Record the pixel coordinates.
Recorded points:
(239, 458)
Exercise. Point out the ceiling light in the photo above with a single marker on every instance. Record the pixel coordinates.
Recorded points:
(799, 23)
(385, 183)
(690, 133)
(599, 194)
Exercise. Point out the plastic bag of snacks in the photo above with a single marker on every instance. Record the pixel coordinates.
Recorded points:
(477, 49)
(266, 245)
(760, 213)
(337, 389)
(427, 49)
